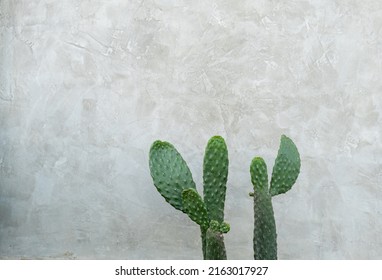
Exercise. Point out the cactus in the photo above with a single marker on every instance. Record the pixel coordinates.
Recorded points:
(215, 249)
(173, 180)
(215, 173)
(195, 208)
(170, 173)
(284, 175)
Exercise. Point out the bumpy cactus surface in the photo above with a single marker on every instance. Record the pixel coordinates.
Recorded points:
(215, 249)
(195, 208)
(215, 173)
(173, 180)
(284, 175)
(170, 173)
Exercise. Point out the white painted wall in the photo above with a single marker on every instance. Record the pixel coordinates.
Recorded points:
(87, 86)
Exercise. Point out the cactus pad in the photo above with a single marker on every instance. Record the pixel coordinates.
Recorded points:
(194, 206)
(286, 168)
(170, 173)
(224, 227)
(215, 173)
(259, 174)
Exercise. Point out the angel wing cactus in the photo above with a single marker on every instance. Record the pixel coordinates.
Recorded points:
(284, 175)
(173, 180)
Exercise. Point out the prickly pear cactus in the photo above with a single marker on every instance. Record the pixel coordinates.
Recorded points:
(170, 173)
(173, 180)
(215, 173)
(286, 168)
(264, 241)
(195, 208)
(284, 175)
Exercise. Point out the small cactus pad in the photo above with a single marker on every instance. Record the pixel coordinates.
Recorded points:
(224, 227)
(219, 227)
(194, 206)
(215, 173)
(215, 248)
(264, 234)
(259, 174)
(286, 168)
(215, 225)
(170, 173)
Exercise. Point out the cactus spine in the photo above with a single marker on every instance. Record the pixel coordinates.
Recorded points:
(284, 175)
(173, 180)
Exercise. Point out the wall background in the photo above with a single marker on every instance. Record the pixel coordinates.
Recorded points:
(87, 86)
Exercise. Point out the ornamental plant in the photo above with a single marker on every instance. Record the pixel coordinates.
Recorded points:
(173, 180)
(285, 172)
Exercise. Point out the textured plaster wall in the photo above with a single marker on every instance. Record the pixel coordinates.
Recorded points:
(87, 86)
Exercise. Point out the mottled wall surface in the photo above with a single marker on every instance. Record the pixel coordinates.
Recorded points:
(87, 86)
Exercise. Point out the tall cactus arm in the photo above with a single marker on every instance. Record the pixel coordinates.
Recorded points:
(259, 174)
(215, 173)
(170, 173)
(286, 168)
(264, 235)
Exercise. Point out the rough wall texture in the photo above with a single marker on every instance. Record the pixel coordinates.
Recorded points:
(87, 86)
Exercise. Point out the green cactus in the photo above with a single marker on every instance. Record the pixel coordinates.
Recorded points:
(215, 173)
(173, 180)
(170, 173)
(286, 168)
(284, 175)
(195, 208)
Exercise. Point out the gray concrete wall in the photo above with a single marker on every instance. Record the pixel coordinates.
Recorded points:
(87, 86)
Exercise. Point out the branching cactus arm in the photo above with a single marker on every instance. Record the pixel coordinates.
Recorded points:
(215, 173)
(284, 175)
(264, 233)
(174, 182)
